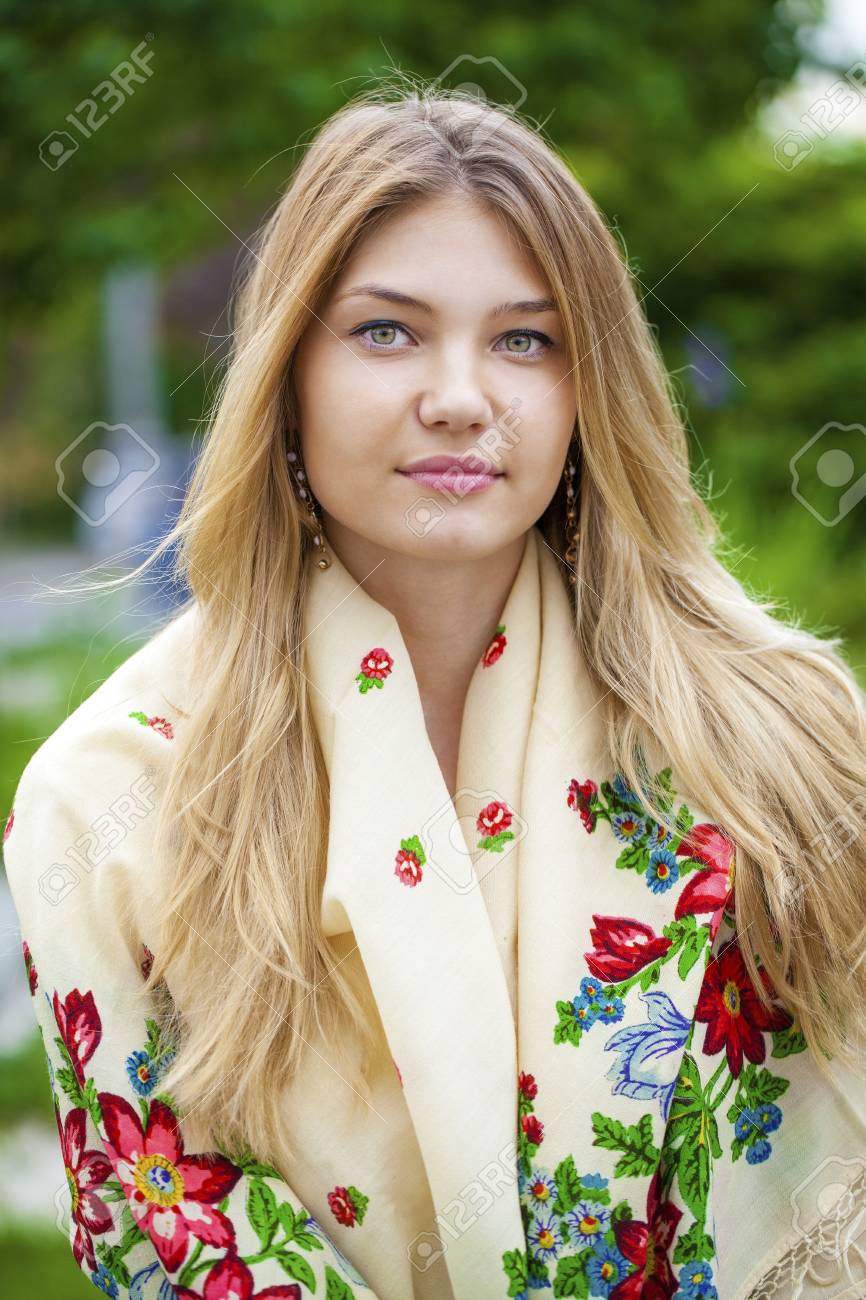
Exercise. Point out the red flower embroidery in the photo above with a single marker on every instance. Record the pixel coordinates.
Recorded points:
(710, 890)
(147, 961)
(375, 667)
(527, 1085)
(85, 1170)
(410, 859)
(729, 1006)
(230, 1279)
(7, 829)
(494, 650)
(622, 947)
(492, 824)
(29, 967)
(80, 1028)
(345, 1207)
(159, 724)
(533, 1128)
(162, 726)
(170, 1194)
(647, 1245)
(579, 798)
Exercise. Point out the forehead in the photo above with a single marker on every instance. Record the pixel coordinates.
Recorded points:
(455, 244)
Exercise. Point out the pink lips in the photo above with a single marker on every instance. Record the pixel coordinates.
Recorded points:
(451, 475)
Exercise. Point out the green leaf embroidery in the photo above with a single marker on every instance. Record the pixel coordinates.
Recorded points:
(694, 1244)
(262, 1211)
(640, 1156)
(571, 1279)
(336, 1288)
(297, 1268)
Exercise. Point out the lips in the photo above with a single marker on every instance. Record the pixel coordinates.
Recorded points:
(451, 475)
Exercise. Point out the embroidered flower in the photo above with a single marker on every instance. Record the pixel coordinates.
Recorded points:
(527, 1085)
(646, 1245)
(696, 1282)
(375, 667)
(585, 1010)
(492, 825)
(728, 1004)
(533, 1128)
(587, 1221)
(627, 826)
(710, 890)
(80, 1028)
(143, 1074)
(10, 821)
(658, 837)
(580, 797)
(540, 1189)
(230, 1279)
(32, 976)
(103, 1280)
(169, 1193)
(622, 947)
(610, 1010)
(159, 724)
(147, 961)
(758, 1152)
(545, 1237)
(85, 1171)
(409, 861)
(494, 650)
(768, 1117)
(650, 1054)
(663, 871)
(348, 1205)
(606, 1268)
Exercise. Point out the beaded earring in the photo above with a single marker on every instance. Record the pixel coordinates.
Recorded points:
(572, 528)
(308, 501)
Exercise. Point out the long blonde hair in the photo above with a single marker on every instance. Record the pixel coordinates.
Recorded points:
(764, 719)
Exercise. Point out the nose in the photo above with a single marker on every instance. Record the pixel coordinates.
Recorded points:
(455, 401)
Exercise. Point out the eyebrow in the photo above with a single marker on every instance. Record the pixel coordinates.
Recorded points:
(406, 300)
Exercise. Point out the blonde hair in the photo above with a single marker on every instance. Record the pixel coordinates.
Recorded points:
(764, 719)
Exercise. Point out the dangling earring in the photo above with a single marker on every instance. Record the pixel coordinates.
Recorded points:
(303, 491)
(572, 528)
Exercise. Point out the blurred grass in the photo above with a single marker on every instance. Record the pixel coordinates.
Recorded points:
(37, 1264)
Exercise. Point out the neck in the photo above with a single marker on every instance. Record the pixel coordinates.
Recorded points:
(447, 610)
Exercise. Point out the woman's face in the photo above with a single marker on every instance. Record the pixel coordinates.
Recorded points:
(439, 339)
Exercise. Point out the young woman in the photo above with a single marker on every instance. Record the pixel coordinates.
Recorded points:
(465, 894)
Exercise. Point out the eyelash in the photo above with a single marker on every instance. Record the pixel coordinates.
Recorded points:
(390, 324)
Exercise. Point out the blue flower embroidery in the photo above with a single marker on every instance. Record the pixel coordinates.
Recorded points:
(696, 1282)
(663, 870)
(605, 1268)
(650, 1054)
(587, 1222)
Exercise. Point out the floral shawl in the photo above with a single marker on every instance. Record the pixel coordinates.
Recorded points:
(579, 1092)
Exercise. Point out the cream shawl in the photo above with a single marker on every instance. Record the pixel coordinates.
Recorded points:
(578, 1091)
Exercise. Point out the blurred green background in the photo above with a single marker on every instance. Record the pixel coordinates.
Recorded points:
(726, 144)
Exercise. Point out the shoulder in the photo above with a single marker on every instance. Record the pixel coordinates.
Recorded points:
(82, 819)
